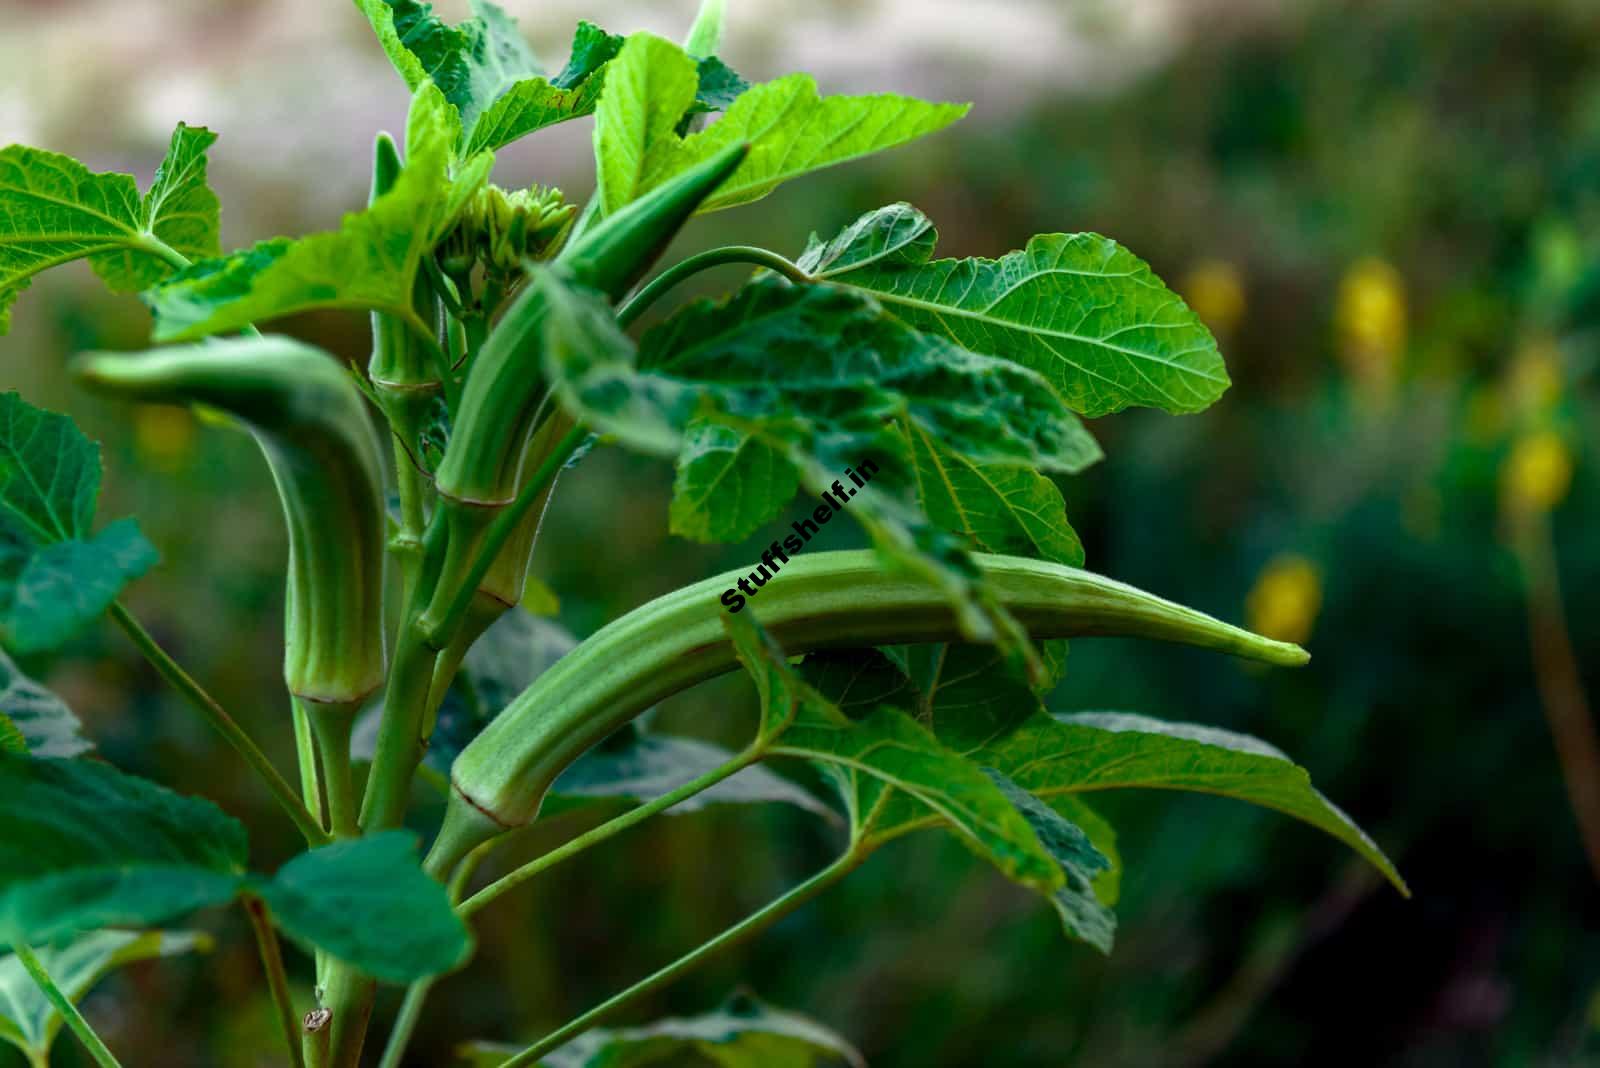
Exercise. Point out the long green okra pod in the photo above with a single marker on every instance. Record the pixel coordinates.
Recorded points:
(831, 599)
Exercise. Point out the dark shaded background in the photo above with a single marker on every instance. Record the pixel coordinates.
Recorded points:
(1390, 213)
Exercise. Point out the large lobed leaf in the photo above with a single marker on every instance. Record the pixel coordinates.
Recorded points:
(53, 210)
(743, 1033)
(1053, 754)
(27, 1018)
(969, 686)
(1079, 309)
(899, 755)
(55, 573)
(851, 376)
(370, 262)
(790, 128)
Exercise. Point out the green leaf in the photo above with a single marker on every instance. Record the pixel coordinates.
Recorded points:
(850, 375)
(743, 1033)
(472, 63)
(28, 1020)
(88, 847)
(728, 484)
(649, 88)
(1085, 313)
(47, 726)
(54, 574)
(49, 474)
(1083, 916)
(534, 103)
(61, 587)
(1103, 836)
(1071, 754)
(941, 684)
(368, 902)
(705, 35)
(791, 129)
(1010, 510)
(486, 70)
(637, 766)
(53, 210)
(890, 747)
(370, 262)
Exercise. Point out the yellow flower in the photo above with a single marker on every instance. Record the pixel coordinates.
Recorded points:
(1371, 317)
(1536, 476)
(1286, 598)
(164, 435)
(1215, 291)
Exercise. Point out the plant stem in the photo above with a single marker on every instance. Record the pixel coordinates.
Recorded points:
(305, 749)
(277, 978)
(745, 929)
(606, 830)
(405, 1024)
(224, 724)
(702, 261)
(333, 724)
(63, 1004)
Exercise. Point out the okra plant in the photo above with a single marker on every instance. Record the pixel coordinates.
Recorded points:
(933, 401)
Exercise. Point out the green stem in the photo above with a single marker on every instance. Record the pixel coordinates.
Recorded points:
(277, 978)
(224, 724)
(305, 751)
(606, 830)
(748, 928)
(702, 261)
(405, 1024)
(400, 743)
(333, 724)
(63, 1004)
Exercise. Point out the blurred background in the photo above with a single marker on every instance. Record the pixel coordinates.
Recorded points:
(1388, 212)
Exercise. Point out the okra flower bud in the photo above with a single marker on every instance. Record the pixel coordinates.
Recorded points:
(833, 599)
(311, 422)
(500, 229)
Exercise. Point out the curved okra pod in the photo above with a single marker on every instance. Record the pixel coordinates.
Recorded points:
(825, 600)
(311, 422)
(501, 399)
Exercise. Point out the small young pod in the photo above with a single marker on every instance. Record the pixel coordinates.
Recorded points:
(824, 600)
(500, 403)
(311, 422)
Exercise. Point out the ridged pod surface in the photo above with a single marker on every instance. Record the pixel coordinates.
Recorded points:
(312, 424)
(825, 600)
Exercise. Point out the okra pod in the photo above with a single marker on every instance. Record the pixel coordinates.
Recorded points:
(832, 599)
(311, 423)
(501, 400)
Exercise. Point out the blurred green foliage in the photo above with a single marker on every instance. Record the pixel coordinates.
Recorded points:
(1390, 214)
